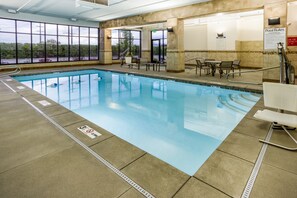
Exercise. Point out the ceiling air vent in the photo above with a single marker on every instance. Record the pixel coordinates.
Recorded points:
(92, 3)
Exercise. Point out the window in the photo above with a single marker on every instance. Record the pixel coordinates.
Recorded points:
(63, 43)
(124, 41)
(94, 40)
(35, 42)
(7, 41)
(84, 43)
(51, 43)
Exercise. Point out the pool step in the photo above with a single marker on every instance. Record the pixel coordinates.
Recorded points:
(224, 101)
(239, 103)
(250, 97)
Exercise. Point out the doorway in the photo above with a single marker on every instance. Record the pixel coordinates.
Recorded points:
(156, 50)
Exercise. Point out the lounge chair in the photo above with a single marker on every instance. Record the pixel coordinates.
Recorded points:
(281, 97)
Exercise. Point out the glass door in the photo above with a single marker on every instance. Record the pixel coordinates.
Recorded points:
(156, 50)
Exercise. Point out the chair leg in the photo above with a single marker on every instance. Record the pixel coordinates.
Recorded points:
(281, 146)
(196, 69)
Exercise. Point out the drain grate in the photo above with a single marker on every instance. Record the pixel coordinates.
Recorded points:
(248, 188)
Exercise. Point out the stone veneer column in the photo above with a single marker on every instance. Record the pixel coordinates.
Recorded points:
(105, 54)
(273, 8)
(146, 44)
(175, 46)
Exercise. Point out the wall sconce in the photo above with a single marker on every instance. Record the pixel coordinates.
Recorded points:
(220, 35)
(108, 37)
(274, 21)
(170, 29)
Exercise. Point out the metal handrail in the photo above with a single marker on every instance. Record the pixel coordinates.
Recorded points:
(16, 70)
(192, 59)
(250, 71)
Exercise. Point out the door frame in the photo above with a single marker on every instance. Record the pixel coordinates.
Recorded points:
(152, 51)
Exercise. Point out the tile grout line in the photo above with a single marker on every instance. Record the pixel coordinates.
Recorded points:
(181, 186)
(250, 184)
(94, 154)
(195, 177)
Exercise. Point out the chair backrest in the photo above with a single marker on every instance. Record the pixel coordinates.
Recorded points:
(236, 62)
(226, 64)
(280, 96)
(199, 64)
(209, 59)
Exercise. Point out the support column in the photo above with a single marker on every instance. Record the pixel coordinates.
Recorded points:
(175, 46)
(146, 44)
(272, 9)
(105, 47)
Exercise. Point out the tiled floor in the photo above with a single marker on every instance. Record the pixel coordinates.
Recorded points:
(37, 160)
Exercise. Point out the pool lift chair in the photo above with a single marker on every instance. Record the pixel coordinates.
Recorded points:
(281, 96)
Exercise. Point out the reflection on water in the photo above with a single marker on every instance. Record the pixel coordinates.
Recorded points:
(179, 123)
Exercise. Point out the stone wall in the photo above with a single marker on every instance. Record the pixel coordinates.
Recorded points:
(250, 53)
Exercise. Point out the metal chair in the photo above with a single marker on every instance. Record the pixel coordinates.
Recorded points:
(227, 66)
(201, 66)
(281, 97)
(236, 65)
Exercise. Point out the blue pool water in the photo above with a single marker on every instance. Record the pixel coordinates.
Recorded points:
(180, 123)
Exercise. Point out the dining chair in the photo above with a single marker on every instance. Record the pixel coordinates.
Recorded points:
(227, 66)
(236, 65)
(201, 66)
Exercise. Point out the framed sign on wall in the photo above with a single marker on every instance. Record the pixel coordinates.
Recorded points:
(272, 36)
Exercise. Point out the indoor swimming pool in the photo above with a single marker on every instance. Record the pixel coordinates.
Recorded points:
(179, 123)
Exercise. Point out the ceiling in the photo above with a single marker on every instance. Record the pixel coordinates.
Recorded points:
(79, 9)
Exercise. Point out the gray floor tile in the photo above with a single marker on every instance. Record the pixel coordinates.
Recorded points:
(55, 110)
(84, 138)
(118, 152)
(195, 188)
(70, 173)
(28, 92)
(132, 193)
(67, 119)
(17, 115)
(274, 183)
(254, 128)
(156, 176)
(28, 142)
(8, 96)
(281, 158)
(242, 146)
(226, 173)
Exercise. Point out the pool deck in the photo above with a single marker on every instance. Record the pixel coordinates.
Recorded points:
(38, 160)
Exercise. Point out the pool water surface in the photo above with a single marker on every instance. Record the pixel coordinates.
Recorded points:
(180, 123)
